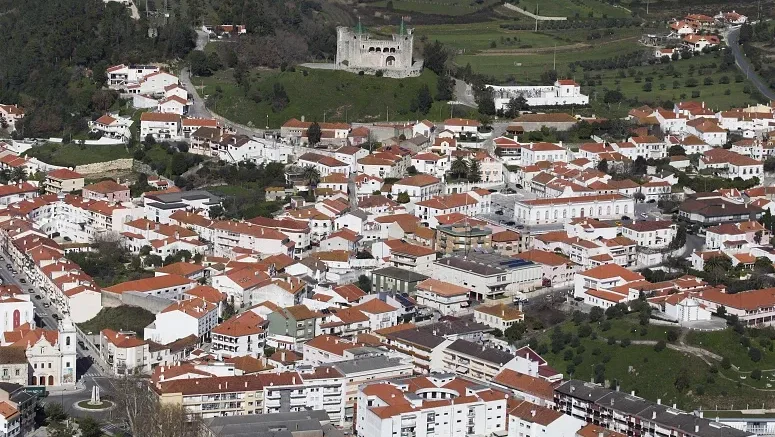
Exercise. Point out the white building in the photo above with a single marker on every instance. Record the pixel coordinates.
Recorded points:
(161, 126)
(530, 420)
(418, 187)
(449, 299)
(51, 353)
(325, 165)
(491, 279)
(559, 210)
(653, 234)
(535, 152)
(241, 335)
(181, 319)
(112, 126)
(564, 92)
(385, 409)
(606, 277)
(119, 76)
(124, 352)
(501, 316)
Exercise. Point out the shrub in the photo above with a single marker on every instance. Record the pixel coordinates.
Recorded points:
(756, 374)
(755, 354)
(611, 341)
(725, 363)
(660, 346)
(625, 342)
(672, 335)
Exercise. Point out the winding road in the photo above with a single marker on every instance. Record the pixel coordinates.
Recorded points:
(732, 37)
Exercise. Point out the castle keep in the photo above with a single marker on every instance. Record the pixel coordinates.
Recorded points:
(357, 51)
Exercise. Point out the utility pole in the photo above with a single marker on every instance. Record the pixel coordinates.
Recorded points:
(554, 59)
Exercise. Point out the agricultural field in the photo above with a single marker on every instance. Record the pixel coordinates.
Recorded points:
(436, 7)
(698, 78)
(338, 96)
(574, 8)
(526, 67)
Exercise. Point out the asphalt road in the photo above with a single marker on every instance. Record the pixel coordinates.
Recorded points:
(732, 36)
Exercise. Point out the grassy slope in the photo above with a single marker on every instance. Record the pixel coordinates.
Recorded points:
(652, 374)
(342, 96)
(727, 344)
(74, 154)
(119, 318)
(570, 8)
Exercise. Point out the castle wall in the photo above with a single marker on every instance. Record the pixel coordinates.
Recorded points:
(359, 52)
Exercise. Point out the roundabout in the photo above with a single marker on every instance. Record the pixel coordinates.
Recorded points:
(95, 403)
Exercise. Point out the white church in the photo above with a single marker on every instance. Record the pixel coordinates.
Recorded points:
(564, 92)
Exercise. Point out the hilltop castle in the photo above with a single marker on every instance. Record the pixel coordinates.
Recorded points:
(356, 51)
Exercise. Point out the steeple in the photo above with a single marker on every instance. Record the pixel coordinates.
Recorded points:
(401, 29)
(359, 29)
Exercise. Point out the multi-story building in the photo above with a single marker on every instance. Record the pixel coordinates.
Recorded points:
(14, 367)
(530, 420)
(465, 358)
(297, 323)
(160, 126)
(183, 318)
(63, 181)
(500, 316)
(124, 352)
(107, 190)
(559, 210)
(462, 236)
(632, 415)
(394, 280)
(448, 299)
(489, 276)
(426, 406)
(240, 335)
(653, 234)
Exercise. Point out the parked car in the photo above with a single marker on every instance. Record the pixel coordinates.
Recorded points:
(511, 223)
(30, 290)
(37, 296)
(46, 305)
(56, 316)
(499, 212)
(23, 281)
(82, 344)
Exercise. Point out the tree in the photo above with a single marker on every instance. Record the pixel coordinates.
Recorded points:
(763, 265)
(757, 237)
(679, 240)
(515, 332)
(403, 197)
(411, 170)
(423, 101)
(145, 250)
(549, 77)
(146, 416)
(314, 133)
(613, 96)
(485, 100)
(516, 105)
(474, 172)
(154, 260)
(364, 283)
(725, 363)
(603, 165)
(755, 354)
(445, 87)
(200, 65)
(672, 335)
(435, 57)
(676, 150)
(280, 100)
(756, 374)
(54, 412)
(639, 196)
(660, 346)
(311, 175)
(459, 167)
(19, 174)
(682, 382)
(90, 427)
(639, 166)
(228, 310)
(596, 314)
(721, 311)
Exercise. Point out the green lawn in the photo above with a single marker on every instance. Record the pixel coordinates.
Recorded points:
(70, 155)
(727, 343)
(333, 95)
(480, 36)
(438, 7)
(651, 374)
(124, 317)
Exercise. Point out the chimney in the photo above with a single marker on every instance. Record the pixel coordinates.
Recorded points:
(246, 384)
(632, 392)
(696, 428)
(282, 356)
(653, 415)
(675, 406)
(532, 413)
(293, 380)
(302, 119)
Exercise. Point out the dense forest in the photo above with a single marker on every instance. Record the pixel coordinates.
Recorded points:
(279, 32)
(54, 54)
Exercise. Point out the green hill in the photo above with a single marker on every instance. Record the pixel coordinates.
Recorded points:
(314, 94)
